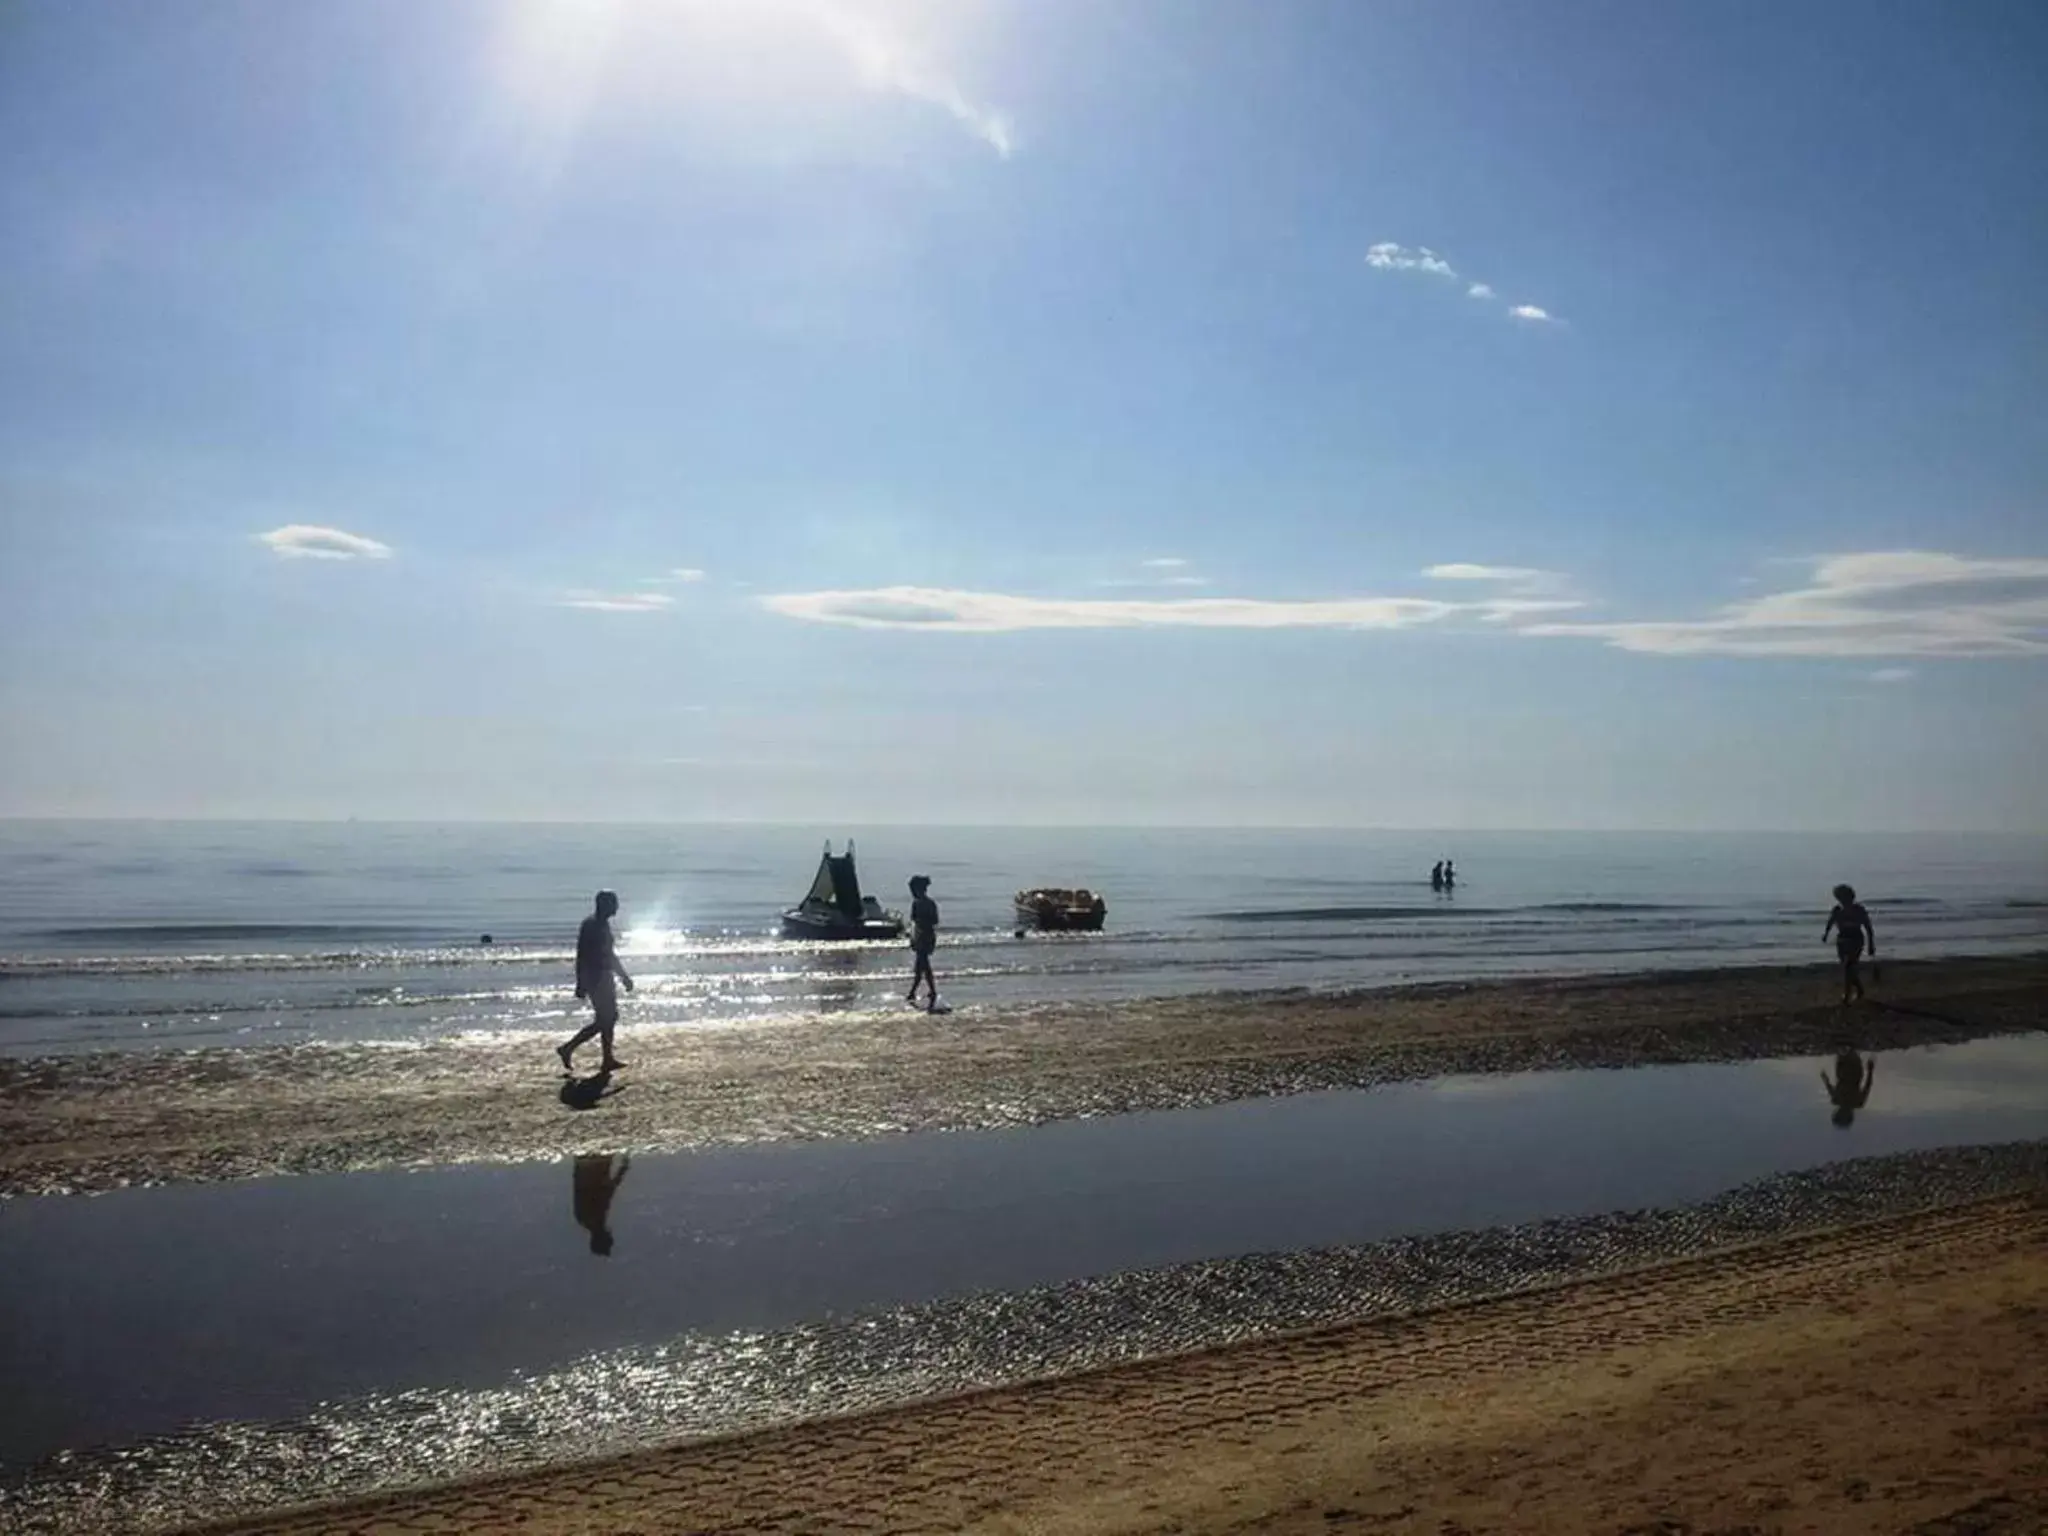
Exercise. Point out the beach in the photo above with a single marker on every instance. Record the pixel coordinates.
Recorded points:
(114, 1119)
(1873, 1378)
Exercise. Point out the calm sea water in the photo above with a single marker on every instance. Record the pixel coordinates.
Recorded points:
(122, 935)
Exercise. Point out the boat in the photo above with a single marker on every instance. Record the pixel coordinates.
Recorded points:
(1053, 909)
(834, 909)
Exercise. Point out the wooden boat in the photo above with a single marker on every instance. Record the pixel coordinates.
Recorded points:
(1053, 909)
(834, 908)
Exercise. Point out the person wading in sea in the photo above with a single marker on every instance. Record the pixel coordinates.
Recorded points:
(924, 938)
(597, 965)
(1850, 925)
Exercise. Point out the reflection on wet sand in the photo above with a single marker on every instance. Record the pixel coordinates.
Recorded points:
(838, 980)
(596, 1180)
(1849, 1089)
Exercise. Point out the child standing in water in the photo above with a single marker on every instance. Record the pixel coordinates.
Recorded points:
(924, 938)
(1850, 925)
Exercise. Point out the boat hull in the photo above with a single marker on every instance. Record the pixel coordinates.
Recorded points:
(837, 928)
(1057, 919)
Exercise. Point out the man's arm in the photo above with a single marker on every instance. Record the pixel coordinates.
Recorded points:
(1870, 928)
(1831, 925)
(619, 970)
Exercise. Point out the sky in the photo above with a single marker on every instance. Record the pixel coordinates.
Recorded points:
(1039, 411)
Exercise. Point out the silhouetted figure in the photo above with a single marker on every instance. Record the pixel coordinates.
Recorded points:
(1450, 875)
(924, 938)
(1850, 925)
(1436, 876)
(1850, 1089)
(597, 967)
(596, 1183)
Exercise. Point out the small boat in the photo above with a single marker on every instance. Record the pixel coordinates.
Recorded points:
(1055, 910)
(834, 909)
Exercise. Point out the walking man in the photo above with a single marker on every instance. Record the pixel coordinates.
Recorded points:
(597, 966)
(924, 938)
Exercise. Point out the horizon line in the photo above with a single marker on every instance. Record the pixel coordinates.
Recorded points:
(1481, 829)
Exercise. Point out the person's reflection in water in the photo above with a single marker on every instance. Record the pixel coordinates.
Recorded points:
(1849, 1090)
(596, 1183)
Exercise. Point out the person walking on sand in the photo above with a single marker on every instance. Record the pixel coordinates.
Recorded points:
(597, 966)
(1850, 925)
(924, 938)
(1849, 1089)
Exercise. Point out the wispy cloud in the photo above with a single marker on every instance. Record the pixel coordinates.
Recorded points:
(1877, 604)
(617, 602)
(932, 608)
(686, 574)
(1159, 571)
(1892, 675)
(888, 63)
(1390, 257)
(304, 541)
(1461, 571)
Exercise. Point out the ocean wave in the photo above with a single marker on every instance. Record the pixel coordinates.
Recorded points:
(1344, 914)
(202, 933)
(1610, 906)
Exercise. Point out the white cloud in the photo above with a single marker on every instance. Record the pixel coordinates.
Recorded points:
(887, 63)
(1877, 604)
(1389, 257)
(686, 574)
(1892, 675)
(989, 612)
(1460, 571)
(303, 541)
(617, 602)
(1164, 563)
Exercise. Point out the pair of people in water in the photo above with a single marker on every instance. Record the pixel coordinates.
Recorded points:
(1444, 877)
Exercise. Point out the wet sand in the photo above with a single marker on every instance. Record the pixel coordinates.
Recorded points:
(104, 1121)
(1875, 1378)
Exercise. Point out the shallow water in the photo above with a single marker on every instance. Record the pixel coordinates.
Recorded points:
(119, 935)
(133, 1314)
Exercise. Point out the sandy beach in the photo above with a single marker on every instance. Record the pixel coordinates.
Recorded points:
(118, 1118)
(1874, 1378)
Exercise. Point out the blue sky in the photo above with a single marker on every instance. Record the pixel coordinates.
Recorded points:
(1395, 414)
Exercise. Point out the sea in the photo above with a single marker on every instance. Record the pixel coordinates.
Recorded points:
(159, 935)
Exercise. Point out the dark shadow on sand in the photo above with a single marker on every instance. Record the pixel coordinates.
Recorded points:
(586, 1092)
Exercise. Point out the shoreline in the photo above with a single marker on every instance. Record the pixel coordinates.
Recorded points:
(1860, 1375)
(674, 1398)
(73, 1124)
